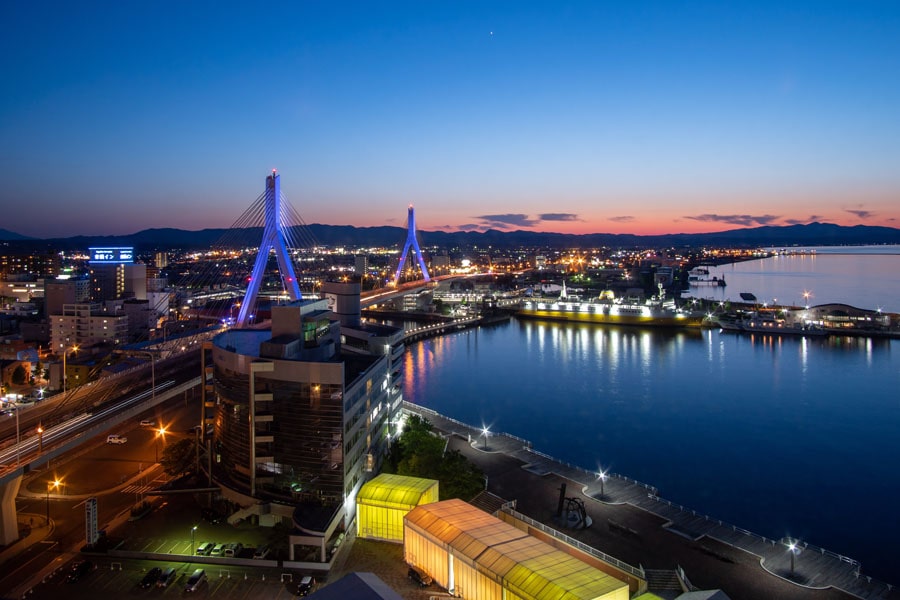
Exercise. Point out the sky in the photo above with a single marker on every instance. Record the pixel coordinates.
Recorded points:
(576, 117)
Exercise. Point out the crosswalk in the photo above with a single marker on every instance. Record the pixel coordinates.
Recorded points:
(143, 488)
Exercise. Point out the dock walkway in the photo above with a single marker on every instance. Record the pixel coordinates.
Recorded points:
(639, 523)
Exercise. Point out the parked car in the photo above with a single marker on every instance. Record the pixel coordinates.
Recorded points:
(218, 550)
(232, 550)
(195, 580)
(205, 548)
(166, 577)
(306, 585)
(210, 516)
(419, 576)
(79, 570)
(115, 438)
(262, 551)
(150, 578)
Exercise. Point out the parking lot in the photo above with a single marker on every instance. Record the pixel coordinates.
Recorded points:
(122, 578)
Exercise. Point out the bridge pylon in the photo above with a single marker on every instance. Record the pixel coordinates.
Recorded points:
(411, 244)
(273, 238)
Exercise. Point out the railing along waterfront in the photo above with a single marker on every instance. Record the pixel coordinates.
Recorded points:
(635, 571)
(650, 489)
(652, 494)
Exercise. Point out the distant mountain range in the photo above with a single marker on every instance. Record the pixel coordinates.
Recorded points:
(812, 234)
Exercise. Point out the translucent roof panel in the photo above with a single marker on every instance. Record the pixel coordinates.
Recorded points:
(527, 566)
(394, 491)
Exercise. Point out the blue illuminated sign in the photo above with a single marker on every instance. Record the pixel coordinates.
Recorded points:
(111, 256)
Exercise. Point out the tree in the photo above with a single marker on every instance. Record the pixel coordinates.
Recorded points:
(19, 375)
(178, 458)
(420, 452)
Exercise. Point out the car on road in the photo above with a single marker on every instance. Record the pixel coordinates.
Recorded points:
(115, 438)
(150, 578)
(79, 570)
(148, 423)
(195, 581)
(306, 585)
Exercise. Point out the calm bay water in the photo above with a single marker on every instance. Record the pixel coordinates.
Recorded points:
(861, 276)
(782, 436)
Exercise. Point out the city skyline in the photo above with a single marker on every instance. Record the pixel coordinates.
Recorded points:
(646, 118)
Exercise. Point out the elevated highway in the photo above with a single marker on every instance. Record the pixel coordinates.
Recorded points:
(69, 420)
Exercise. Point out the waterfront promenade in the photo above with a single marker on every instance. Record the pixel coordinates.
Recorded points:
(634, 524)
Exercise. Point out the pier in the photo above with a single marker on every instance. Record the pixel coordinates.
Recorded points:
(635, 524)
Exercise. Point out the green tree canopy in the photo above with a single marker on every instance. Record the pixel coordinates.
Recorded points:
(19, 375)
(420, 452)
(178, 457)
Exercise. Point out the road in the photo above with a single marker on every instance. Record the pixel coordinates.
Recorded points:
(118, 475)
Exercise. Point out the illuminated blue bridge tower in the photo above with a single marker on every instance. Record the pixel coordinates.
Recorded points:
(411, 243)
(273, 238)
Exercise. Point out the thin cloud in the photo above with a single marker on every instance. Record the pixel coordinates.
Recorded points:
(507, 221)
(622, 219)
(558, 217)
(860, 213)
(744, 220)
(809, 219)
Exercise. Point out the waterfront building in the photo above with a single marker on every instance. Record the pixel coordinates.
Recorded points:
(475, 555)
(301, 413)
(383, 502)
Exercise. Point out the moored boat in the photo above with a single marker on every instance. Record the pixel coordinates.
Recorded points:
(655, 312)
(700, 276)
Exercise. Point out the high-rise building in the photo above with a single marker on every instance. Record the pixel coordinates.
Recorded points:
(59, 292)
(108, 273)
(37, 264)
(361, 264)
(84, 325)
(161, 260)
(302, 413)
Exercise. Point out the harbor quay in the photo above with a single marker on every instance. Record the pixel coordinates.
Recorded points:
(633, 523)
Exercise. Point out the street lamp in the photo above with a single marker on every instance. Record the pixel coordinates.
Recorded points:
(193, 529)
(794, 549)
(485, 432)
(65, 354)
(51, 485)
(159, 434)
(602, 476)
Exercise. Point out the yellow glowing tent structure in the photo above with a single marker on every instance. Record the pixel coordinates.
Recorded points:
(479, 557)
(382, 503)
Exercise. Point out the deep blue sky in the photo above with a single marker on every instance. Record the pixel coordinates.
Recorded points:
(644, 117)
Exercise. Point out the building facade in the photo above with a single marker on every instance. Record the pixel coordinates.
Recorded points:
(85, 325)
(298, 422)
